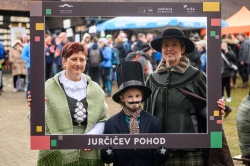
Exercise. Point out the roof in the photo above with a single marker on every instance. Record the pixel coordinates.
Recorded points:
(243, 15)
(236, 26)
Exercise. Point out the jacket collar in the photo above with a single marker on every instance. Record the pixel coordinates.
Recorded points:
(180, 68)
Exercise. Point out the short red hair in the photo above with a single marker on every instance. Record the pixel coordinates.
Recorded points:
(73, 47)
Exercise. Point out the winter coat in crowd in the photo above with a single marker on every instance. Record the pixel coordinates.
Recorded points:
(243, 126)
(18, 64)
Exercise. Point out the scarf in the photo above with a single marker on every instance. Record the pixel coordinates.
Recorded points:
(180, 68)
(133, 125)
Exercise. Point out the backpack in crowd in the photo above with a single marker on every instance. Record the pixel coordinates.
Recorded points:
(115, 56)
(20, 84)
(95, 57)
(1, 51)
(138, 57)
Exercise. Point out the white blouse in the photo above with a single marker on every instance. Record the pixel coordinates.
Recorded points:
(78, 91)
(74, 89)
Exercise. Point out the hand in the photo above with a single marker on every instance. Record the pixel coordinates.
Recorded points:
(30, 100)
(52, 49)
(221, 104)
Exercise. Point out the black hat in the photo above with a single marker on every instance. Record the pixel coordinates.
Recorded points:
(173, 33)
(130, 75)
(145, 47)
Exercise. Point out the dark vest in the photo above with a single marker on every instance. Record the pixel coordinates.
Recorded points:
(72, 103)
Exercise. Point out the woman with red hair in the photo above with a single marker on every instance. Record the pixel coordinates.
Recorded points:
(75, 105)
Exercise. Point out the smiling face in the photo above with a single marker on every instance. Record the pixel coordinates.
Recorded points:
(74, 56)
(172, 49)
(132, 99)
(75, 65)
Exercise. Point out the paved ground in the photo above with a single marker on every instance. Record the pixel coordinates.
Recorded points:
(15, 131)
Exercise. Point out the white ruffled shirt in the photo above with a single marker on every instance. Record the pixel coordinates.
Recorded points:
(74, 89)
(78, 90)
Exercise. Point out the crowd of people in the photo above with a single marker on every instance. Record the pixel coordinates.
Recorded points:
(101, 64)
(80, 74)
(19, 58)
(104, 54)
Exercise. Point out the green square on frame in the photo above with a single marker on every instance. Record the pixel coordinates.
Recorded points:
(48, 11)
(53, 142)
(212, 33)
(216, 139)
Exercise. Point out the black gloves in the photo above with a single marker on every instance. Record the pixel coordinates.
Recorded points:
(107, 155)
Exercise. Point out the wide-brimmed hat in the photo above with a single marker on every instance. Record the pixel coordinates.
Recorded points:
(130, 75)
(173, 33)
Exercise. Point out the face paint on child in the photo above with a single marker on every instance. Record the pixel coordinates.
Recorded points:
(132, 98)
(134, 102)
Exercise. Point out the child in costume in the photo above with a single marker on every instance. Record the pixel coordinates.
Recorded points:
(132, 119)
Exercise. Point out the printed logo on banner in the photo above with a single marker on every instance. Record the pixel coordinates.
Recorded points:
(146, 10)
(164, 10)
(66, 5)
(190, 10)
(66, 11)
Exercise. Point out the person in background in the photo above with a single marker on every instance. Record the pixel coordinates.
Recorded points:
(143, 58)
(95, 58)
(106, 66)
(110, 41)
(156, 54)
(137, 45)
(49, 56)
(126, 43)
(3, 58)
(243, 126)
(74, 105)
(244, 59)
(24, 40)
(178, 112)
(152, 60)
(120, 47)
(57, 56)
(228, 56)
(194, 56)
(19, 69)
(201, 47)
(87, 40)
(26, 57)
(149, 37)
(132, 119)
(232, 42)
